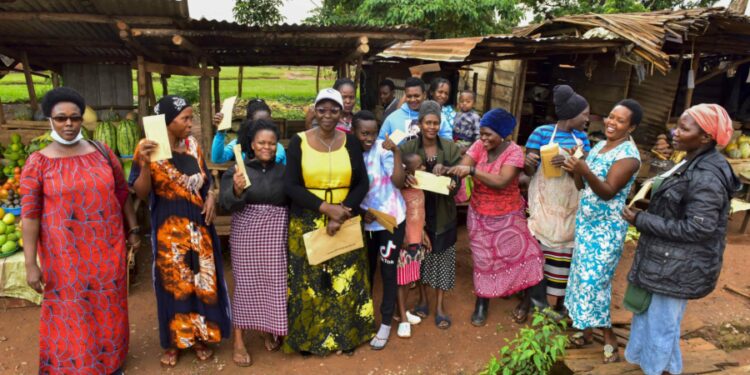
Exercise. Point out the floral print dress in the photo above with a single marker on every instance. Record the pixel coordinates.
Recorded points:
(600, 235)
(191, 295)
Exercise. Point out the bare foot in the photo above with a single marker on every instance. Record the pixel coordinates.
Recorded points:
(202, 351)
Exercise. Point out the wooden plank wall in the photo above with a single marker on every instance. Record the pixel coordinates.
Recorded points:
(101, 85)
(607, 85)
(656, 94)
(504, 82)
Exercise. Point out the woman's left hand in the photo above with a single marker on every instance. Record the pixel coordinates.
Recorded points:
(389, 145)
(333, 227)
(575, 165)
(439, 169)
(459, 171)
(209, 209)
(134, 240)
(629, 214)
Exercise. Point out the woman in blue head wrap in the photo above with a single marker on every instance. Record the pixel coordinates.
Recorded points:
(506, 257)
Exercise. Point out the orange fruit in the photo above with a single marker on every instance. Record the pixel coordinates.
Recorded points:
(3, 193)
(17, 170)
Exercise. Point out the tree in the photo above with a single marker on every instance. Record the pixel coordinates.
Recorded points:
(545, 9)
(258, 12)
(444, 18)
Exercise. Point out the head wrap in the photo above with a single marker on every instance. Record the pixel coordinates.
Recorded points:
(714, 120)
(500, 121)
(429, 107)
(171, 106)
(59, 95)
(636, 111)
(568, 104)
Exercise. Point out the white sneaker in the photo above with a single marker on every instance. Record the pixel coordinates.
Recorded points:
(404, 330)
(412, 319)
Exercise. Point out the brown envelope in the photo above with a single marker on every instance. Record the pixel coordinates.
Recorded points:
(387, 221)
(322, 247)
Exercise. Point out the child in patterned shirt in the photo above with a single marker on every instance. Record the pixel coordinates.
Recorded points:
(466, 124)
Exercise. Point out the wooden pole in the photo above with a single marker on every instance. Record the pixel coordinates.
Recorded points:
(2, 113)
(694, 67)
(474, 83)
(489, 82)
(217, 97)
(150, 90)
(142, 98)
(55, 80)
(206, 129)
(317, 80)
(239, 82)
(519, 88)
(164, 85)
(29, 81)
(357, 74)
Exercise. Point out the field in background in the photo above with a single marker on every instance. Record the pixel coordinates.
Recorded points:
(287, 89)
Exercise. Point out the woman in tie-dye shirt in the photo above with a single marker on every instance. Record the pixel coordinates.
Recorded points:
(386, 174)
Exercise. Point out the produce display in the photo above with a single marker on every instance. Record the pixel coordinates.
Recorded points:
(106, 132)
(10, 234)
(739, 148)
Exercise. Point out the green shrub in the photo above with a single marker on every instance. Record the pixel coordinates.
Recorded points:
(533, 351)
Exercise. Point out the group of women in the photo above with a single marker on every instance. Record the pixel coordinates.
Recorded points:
(345, 165)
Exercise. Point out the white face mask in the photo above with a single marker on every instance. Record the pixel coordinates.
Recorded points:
(59, 139)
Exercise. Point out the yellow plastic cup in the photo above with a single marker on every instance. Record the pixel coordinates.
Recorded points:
(548, 152)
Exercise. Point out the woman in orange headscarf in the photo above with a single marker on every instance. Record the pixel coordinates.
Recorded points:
(682, 240)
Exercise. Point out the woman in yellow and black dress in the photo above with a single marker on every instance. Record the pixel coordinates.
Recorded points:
(329, 305)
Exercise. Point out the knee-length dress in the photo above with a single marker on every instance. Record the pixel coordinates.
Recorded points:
(191, 295)
(84, 316)
(329, 305)
(600, 235)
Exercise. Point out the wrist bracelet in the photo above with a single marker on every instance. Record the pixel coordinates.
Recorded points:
(134, 230)
(472, 171)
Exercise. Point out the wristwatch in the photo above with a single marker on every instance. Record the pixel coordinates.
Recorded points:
(472, 171)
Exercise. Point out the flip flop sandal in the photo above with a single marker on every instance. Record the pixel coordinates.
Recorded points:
(202, 352)
(578, 340)
(422, 311)
(171, 356)
(404, 330)
(275, 343)
(520, 315)
(246, 361)
(442, 322)
(378, 343)
(611, 355)
(413, 319)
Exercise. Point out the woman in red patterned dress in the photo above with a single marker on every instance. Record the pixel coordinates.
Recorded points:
(72, 205)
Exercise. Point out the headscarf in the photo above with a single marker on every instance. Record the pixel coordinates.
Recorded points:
(429, 107)
(714, 120)
(171, 106)
(568, 104)
(59, 95)
(500, 121)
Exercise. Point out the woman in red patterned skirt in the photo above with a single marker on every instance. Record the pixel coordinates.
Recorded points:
(74, 193)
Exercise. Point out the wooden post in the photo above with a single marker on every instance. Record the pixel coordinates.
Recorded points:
(519, 88)
(29, 81)
(239, 82)
(694, 67)
(142, 97)
(357, 74)
(317, 80)
(489, 82)
(55, 80)
(206, 129)
(164, 86)
(474, 84)
(217, 97)
(150, 89)
(2, 113)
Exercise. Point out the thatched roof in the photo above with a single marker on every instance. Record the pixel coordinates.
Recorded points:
(657, 35)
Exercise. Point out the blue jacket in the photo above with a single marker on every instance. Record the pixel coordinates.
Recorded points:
(221, 153)
(399, 118)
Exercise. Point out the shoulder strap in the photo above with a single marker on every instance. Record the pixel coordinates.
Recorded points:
(552, 138)
(99, 147)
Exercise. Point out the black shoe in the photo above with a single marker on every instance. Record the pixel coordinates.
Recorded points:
(479, 317)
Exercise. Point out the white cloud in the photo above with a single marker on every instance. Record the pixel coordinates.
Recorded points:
(294, 10)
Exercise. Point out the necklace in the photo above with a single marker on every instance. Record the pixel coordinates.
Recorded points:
(329, 145)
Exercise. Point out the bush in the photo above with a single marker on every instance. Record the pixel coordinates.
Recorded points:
(533, 351)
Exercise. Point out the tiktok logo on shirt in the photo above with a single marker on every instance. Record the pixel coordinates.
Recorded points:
(386, 251)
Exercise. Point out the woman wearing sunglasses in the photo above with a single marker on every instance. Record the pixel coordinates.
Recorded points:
(74, 195)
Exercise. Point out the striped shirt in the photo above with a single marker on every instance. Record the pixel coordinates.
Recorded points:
(567, 140)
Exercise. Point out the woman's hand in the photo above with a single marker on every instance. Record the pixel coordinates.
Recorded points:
(34, 278)
(558, 160)
(389, 145)
(532, 160)
(410, 181)
(134, 240)
(336, 212)
(575, 165)
(217, 119)
(145, 148)
(459, 171)
(629, 214)
(209, 209)
(369, 218)
(239, 183)
(333, 227)
(439, 169)
(452, 186)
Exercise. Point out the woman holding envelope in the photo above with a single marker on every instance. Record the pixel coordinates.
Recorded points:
(683, 235)
(506, 257)
(258, 241)
(329, 304)
(439, 265)
(191, 295)
(605, 178)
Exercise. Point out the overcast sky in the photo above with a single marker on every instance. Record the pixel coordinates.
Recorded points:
(294, 10)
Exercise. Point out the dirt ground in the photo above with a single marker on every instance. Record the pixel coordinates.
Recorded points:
(462, 349)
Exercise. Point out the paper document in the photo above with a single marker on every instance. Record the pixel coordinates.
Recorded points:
(430, 182)
(387, 221)
(397, 136)
(227, 108)
(641, 194)
(321, 247)
(579, 153)
(738, 205)
(155, 128)
(241, 164)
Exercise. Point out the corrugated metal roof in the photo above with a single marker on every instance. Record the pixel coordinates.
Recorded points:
(488, 48)
(151, 8)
